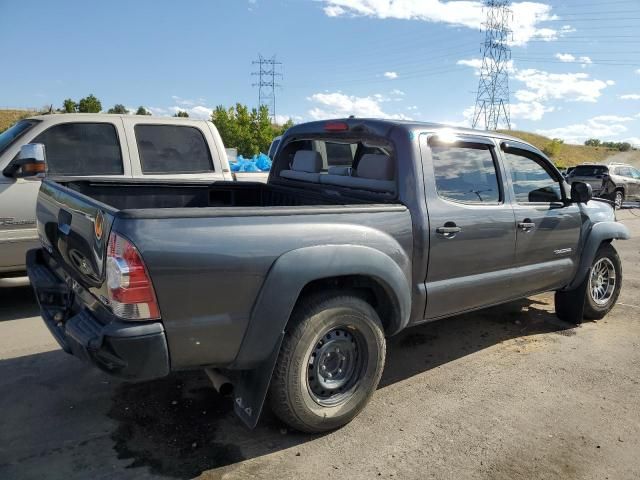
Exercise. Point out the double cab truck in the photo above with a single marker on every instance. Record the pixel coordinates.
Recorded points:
(93, 146)
(287, 290)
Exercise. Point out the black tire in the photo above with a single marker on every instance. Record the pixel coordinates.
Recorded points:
(321, 325)
(607, 256)
(618, 199)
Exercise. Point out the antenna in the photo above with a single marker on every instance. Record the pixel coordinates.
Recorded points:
(267, 73)
(492, 100)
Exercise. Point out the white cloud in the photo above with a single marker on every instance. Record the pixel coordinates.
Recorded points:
(529, 110)
(397, 93)
(568, 58)
(340, 105)
(542, 87)
(467, 13)
(565, 57)
(611, 119)
(630, 96)
(638, 71)
(391, 75)
(603, 126)
(575, 87)
(282, 119)
(471, 62)
(635, 141)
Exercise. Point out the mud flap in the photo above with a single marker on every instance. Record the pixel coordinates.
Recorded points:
(570, 303)
(250, 387)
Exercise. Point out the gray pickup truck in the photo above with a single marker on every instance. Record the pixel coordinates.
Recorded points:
(287, 290)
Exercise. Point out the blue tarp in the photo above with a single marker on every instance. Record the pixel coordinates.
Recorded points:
(259, 163)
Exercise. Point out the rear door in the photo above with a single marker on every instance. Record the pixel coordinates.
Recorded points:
(548, 227)
(472, 230)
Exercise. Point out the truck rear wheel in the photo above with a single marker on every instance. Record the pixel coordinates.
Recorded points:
(604, 283)
(330, 362)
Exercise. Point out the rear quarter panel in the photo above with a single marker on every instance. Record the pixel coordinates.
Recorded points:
(208, 271)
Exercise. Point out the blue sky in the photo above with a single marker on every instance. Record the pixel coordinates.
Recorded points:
(575, 73)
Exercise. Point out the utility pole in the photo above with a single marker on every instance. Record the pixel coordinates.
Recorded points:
(492, 99)
(267, 74)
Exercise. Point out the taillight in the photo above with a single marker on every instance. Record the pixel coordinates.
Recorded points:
(336, 127)
(129, 287)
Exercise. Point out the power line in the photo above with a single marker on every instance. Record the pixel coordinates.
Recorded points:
(267, 82)
(492, 100)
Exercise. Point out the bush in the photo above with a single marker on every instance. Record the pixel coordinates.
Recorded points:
(552, 149)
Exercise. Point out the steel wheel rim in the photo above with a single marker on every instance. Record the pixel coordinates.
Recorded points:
(335, 365)
(602, 281)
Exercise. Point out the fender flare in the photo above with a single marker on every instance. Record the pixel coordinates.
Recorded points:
(600, 232)
(293, 270)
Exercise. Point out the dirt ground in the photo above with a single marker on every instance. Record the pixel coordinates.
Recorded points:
(506, 393)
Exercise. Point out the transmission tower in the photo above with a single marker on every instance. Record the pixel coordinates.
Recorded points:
(267, 74)
(492, 100)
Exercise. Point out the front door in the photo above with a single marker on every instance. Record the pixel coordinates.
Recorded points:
(548, 227)
(471, 225)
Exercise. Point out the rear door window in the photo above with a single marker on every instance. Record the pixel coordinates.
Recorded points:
(172, 149)
(82, 149)
(465, 174)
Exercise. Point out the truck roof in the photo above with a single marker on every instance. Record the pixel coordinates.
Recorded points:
(381, 126)
(103, 116)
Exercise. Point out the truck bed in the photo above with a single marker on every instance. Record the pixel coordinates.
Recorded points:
(164, 195)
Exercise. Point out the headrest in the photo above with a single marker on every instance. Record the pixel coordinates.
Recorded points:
(376, 167)
(339, 170)
(307, 161)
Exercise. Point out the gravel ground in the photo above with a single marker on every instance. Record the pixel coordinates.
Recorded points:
(506, 393)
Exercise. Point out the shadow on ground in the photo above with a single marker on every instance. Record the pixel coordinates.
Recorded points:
(179, 426)
(17, 302)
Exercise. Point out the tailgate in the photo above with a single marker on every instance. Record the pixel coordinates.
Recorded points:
(75, 230)
(595, 182)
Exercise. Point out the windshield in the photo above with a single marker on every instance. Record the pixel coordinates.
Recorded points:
(8, 136)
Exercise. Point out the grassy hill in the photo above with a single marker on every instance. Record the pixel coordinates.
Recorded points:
(568, 155)
(9, 117)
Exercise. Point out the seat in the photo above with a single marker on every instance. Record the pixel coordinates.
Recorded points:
(306, 166)
(375, 172)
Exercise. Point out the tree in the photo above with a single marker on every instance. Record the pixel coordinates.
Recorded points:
(142, 111)
(181, 113)
(89, 104)
(250, 131)
(118, 108)
(625, 146)
(69, 106)
(593, 142)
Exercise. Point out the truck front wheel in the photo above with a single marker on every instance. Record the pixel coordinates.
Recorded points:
(330, 362)
(604, 283)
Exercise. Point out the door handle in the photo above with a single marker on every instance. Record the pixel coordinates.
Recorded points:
(449, 228)
(526, 224)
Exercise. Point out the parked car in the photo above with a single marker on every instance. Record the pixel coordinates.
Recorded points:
(290, 288)
(97, 146)
(616, 182)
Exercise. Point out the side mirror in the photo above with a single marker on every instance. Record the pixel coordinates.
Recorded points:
(29, 162)
(581, 192)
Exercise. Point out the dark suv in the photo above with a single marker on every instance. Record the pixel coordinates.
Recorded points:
(616, 182)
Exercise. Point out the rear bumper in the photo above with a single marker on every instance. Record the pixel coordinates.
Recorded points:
(128, 350)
